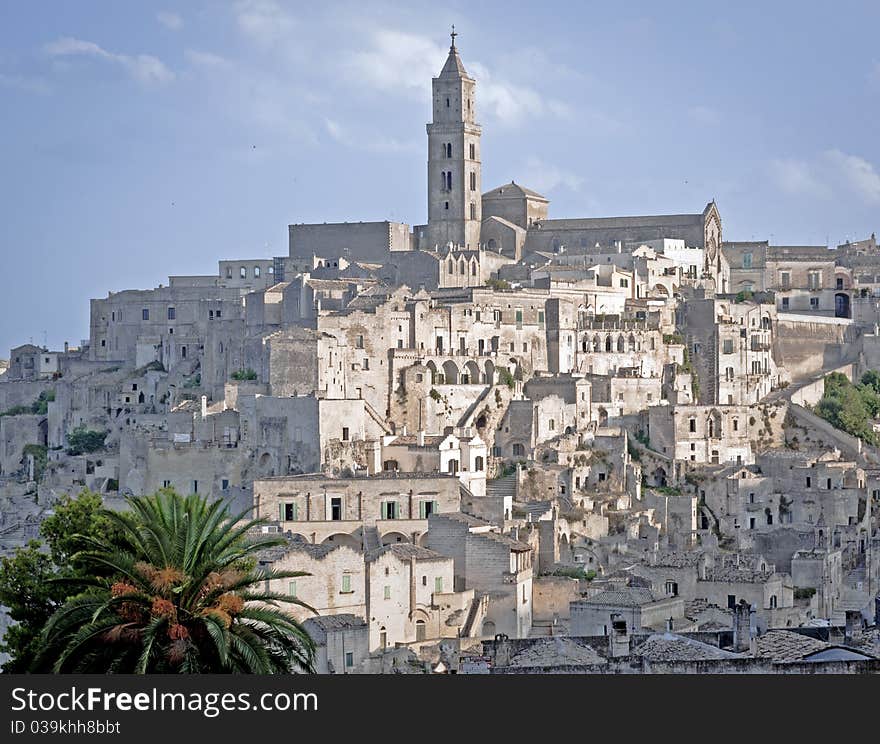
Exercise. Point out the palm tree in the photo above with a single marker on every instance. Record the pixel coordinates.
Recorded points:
(175, 589)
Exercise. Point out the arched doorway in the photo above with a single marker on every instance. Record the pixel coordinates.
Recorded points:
(841, 305)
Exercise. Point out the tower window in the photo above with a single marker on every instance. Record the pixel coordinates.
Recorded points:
(473, 211)
(473, 181)
(473, 151)
(448, 149)
(447, 205)
(449, 180)
(447, 103)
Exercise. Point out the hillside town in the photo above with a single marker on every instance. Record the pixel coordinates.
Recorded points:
(503, 441)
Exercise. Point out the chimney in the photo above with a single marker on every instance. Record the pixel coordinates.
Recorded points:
(853, 619)
(619, 641)
(421, 438)
(204, 406)
(742, 630)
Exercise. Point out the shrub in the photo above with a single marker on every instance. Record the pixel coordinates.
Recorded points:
(244, 374)
(82, 440)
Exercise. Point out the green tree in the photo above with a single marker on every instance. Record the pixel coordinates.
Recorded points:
(175, 590)
(27, 578)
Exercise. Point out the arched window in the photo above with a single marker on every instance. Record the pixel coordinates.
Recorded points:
(229, 272)
(474, 268)
(448, 149)
(242, 272)
(420, 630)
(443, 179)
(256, 272)
(462, 269)
(450, 266)
(473, 211)
(608, 343)
(449, 180)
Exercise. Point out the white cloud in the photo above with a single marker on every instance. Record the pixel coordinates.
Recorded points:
(397, 61)
(367, 141)
(206, 59)
(856, 174)
(796, 177)
(402, 62)
(545, 177)
(264, 21)
(170, 20)
(20, 82)
(142, 67)
(831, 173)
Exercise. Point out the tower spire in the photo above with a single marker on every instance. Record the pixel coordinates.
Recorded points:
(452, 36)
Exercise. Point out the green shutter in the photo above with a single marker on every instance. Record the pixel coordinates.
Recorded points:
(346, 583)
(295, 510)
(422, 509)
(291, 588)
(280, 512)
(438, 584)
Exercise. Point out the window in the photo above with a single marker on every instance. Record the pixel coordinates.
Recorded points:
(427, 508)
(195, 486)
(291, 588)
(229, 272)
(473, 148)
(814, 303)
(387, 592)
(728, 346)
(731, 601)
(438, 584)
(172, 313)
(256, 272)
(344, 433)
(672, 588)
(145, 314)
(839, 283)
(478, 464)
(224, 484)
(242, 272)
(336, 509)
(420, 630)
(814, 279)
(289, 512)
(473, 181)
(473, 217)
(346, 584)
(785, 279)
(747, 260)
(349, 659)
(383, 638)
(785, 303)
(551, 424)
(389, 510)
(692, 425)
(809, 481)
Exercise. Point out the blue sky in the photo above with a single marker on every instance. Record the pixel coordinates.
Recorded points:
(139, 140)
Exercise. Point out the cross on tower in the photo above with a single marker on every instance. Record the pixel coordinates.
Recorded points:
(453, 35)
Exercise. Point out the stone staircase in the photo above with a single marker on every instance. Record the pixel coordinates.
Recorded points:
(501, 487)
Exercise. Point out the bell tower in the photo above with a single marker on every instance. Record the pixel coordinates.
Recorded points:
(454, 182)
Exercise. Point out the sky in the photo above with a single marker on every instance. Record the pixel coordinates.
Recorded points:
(142, 140)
